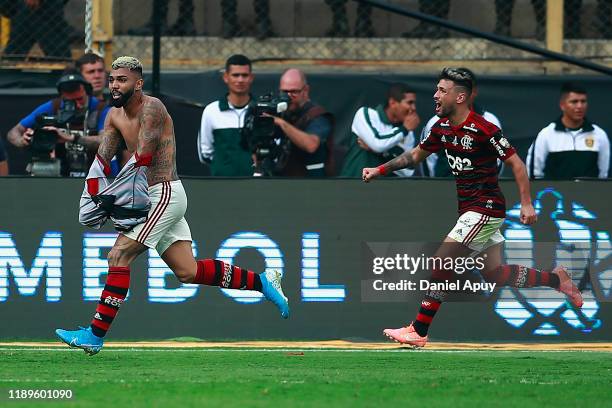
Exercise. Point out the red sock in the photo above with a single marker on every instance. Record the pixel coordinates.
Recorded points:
(427, 311)
(519, 276)
(113, 295)
(213, 272)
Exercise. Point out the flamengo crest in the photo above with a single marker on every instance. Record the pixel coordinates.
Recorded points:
(466, 142)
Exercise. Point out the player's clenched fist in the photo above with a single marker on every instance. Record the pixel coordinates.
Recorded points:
(370, 173)
(528, 215)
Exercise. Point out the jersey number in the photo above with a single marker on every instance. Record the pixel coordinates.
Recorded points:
(458, 163)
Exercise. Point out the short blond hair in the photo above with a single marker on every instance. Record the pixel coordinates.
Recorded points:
(128, 62)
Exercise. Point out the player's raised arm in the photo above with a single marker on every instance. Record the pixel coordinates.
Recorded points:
(110, 137)
(151, 120)
(528, 214)
(408, 159)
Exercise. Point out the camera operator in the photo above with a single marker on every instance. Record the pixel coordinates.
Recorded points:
(308, 127)
(65, 128)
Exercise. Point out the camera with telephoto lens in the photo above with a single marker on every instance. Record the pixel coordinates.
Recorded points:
(262, 138)
(44, 142)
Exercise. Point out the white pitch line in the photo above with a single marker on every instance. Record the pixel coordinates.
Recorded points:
(3, 380)
(268, 350)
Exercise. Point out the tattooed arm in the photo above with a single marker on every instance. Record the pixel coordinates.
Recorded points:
(408, 159)
(110, 138)
(156, 143)
(91, 142)
(151, 120)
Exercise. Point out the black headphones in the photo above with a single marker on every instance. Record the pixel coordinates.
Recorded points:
(71, 79)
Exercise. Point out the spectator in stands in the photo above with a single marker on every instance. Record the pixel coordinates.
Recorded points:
(381, 133)
(229, 17)
(340, 25)
(436, 164)
(571, 12)
(92, 68)
(39, 21)
(75, 146)
(3, 160)
(571, 146)
(604, 14)
(308, 126)
(219, 140)
(438, 9)
(183, 26)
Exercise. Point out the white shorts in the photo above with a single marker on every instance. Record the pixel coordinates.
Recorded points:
(165, 223)
(477, 231)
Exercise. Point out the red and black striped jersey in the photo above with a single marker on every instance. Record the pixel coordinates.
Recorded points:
(472, 149)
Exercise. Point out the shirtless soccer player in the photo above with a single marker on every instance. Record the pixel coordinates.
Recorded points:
(145, 125)
(472, 146)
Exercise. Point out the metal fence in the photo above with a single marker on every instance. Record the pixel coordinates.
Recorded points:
(37, 30)
(201, 33)
(268, 19)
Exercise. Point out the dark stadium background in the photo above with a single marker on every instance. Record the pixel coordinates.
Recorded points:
(523, 103)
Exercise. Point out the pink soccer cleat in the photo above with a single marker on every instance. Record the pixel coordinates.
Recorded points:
(406, 335)
(567, 287)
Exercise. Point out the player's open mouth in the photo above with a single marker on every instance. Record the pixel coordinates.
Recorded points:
(116, 95)
(437, 106)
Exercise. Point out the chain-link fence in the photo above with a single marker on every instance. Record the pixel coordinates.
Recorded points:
(198, 34)
(202, 33)
(268, 19)
(41, 30)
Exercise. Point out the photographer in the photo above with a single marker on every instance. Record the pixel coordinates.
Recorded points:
(308, 127)
(219, 139)
(62, 133)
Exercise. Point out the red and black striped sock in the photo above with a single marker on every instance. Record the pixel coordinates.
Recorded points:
(113, 295)
(427, 311)
(213, 272)
(519, 276)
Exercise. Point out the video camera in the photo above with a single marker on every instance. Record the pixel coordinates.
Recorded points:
(45, 141)
(260, 135)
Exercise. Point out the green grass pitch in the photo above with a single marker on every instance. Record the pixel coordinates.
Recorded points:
(284, 378)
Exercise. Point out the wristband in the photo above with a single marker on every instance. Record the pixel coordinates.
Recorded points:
(144, 160)
(382, 170)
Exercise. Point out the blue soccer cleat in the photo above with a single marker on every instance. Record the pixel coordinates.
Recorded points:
(272, 290)
(82, 338)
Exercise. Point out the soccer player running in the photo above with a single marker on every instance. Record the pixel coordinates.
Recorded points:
(472, 146)
(147, 129)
